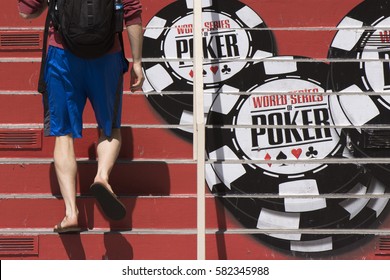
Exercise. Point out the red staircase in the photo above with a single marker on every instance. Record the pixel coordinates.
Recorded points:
(155, 176)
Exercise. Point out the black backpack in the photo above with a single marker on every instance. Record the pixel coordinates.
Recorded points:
(87, 28)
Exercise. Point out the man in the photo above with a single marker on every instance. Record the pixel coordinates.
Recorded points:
(71, 80)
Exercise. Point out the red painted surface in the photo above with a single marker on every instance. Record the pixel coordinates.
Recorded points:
(138, 143)
(40, 178)
(23, 75)
(276, 14)
(152, 213)
(113, 246)
(137, 110)
(159, 195)
(117, 246)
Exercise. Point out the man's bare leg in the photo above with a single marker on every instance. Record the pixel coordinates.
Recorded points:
(66, 170)
(107, 151)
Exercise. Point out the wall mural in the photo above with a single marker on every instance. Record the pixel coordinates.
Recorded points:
(228, 34)
(280, 115)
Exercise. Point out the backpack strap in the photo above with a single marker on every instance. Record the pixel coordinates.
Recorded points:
(123, 48)
(41, 82)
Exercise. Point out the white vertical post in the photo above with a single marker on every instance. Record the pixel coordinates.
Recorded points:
(199, 130)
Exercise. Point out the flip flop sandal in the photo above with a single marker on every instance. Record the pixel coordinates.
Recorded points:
(108, 201)
(71, 229)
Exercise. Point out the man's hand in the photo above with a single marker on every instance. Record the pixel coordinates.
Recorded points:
(135, 35)
(137, 77)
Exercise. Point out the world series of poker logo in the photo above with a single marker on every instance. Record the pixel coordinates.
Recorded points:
(229, 44)
(276, 120)
(231, 30)
(283, 117)
(287, 110)
(233, 34)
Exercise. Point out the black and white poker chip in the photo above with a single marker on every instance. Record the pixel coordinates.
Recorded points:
(288, 92)
(367, 217)
(232, 32)
(360, 75)
(298, 212)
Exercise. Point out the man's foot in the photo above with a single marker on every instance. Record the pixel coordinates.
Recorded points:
(108, 201)
(66, 227)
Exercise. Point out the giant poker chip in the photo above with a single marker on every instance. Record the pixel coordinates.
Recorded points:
(364, 213)
(364, 36)
(232, 32)
(288, 92)
(300, 212)
(302, 104)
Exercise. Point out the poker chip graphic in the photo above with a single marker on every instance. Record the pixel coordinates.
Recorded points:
(232, 32)
(287, 93)
(361, 80)
(364, 213)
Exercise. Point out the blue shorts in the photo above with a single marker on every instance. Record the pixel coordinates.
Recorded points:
(71, 81)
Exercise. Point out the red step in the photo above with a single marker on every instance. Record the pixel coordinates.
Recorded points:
(160, 192)
(146, 245)
(136, 110)
(138, 143)
(128, 178)
(298, 42)
(154, 212)
(10, 17)
(151, 212)
(19, 75)
(112, 246)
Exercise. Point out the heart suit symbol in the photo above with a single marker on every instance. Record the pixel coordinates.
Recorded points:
(296, 152)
